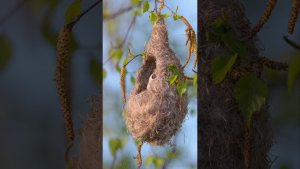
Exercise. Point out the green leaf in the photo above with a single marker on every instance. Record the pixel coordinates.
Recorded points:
(173, 78)
(221, 66)
(171, 155)
(293, 71)
(137, 12)
(181, 87)
(174, 69)
(104, 74)
(146, 6)
(212, 37)
(95, 70)
(132, 79)
(117, 67)
(149, 160)
(6, 52)
(193, 112)
(232, 42)
(49, 34)
(153, 17)
(195, 80)
(165, 15)
(158, 162)
(135, 2)
(218, 26)
(115, 144)
(115, 54)
(125, 61)
(73, 11)
(250, 93)
(176, 17)
(176, 9)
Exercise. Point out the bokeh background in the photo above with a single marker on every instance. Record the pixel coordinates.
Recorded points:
(31, 120)
(31, 123)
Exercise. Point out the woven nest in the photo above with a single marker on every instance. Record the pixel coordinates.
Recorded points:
(152, 113)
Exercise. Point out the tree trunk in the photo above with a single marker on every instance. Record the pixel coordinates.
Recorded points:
(224, 140)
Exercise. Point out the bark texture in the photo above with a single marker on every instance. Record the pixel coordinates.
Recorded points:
(224, 141)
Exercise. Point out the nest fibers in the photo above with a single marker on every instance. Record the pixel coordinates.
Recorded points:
(152, 112)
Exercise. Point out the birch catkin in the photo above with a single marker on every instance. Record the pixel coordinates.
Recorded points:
(267, 12)
(62, 79)
(123, 83)
(294, 15)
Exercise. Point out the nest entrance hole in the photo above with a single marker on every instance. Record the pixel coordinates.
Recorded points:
(146, 71)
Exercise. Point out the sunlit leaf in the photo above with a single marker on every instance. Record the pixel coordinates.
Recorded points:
(146, 6)
(132, 79)
(135, 2)
(116, 54)
(158, 162)
(149, 160)
(137, 12)
(181, 87)
(115, 144)
(173, 78)
(293, 71)
(171, 155)
(250, 93)
(221, 66)
(124, 163)
(73, 11)
(195, 80)
(174, 69)
(104, 74)
(153, 17)
(176, 17)
(5, 52)
(125, 61)
(165, 15)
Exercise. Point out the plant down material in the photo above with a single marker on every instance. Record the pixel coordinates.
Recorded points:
(152, 113)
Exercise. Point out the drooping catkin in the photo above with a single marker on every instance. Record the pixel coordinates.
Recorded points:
(267, 12)
(63, 85)
(123, 83)
(294, 15)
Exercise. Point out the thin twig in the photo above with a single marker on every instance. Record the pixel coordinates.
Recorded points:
(120, 12)
(72, 23)
(19, 5)
(132, 59)
(125, 38)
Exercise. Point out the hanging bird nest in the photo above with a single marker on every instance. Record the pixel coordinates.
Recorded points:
(155, 110)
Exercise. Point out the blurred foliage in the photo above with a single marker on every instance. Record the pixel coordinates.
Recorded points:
(95, 70)
(221, 66)
(250, 93)
(6, 51)
(293, 71)
(73, 11)
(116, 144)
